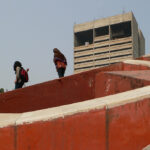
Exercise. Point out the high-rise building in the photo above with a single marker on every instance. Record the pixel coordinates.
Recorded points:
(106, 41)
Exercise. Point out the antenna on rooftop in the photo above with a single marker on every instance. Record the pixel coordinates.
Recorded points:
(74, 24)
(123, 10)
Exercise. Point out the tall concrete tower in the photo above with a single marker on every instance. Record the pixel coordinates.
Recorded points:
(106, 41)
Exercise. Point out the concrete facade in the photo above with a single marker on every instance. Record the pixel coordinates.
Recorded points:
(106, 41)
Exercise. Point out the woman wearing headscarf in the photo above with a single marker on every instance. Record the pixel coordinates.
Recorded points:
(60, 62)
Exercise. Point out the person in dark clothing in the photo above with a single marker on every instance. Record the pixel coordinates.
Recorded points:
(19, 82)
(60, 62)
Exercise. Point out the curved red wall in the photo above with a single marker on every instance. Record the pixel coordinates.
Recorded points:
(71, 89)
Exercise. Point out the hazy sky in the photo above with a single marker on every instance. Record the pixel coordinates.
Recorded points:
(30, 29)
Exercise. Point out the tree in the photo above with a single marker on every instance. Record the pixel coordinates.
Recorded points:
(1, 90)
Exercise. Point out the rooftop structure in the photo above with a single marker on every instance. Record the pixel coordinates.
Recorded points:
(106, 41)
(89, 110)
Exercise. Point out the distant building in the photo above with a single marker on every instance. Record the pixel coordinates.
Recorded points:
(106, 41)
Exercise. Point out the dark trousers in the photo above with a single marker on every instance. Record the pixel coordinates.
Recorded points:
(61, 72)
(19, 85)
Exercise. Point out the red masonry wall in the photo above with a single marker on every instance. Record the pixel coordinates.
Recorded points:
(76, 132)
(72, 89)
(125, 127)
(147, 58)
(58, 92)
(129, 126)
(109, 83)
(7, 138)
(129, 67)
(49, 94)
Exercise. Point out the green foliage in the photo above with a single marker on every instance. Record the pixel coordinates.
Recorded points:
(1, 90)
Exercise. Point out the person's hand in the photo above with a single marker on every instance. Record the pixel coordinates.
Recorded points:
(27, 69)
(15, 81)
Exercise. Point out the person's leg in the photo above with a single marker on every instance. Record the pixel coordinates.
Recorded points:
(16, 85)
(19, 85)
(63, 71)
(60, 72)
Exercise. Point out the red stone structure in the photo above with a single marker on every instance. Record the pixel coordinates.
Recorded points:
(101, 109)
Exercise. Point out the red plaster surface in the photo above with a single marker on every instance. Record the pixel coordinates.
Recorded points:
(140, 74)
(71, 89)
(147, 58)
(49, 94)
(125, 127)
(117, 82)
(7, 138)
(129, 67)
(129, 126)
(84, 131)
